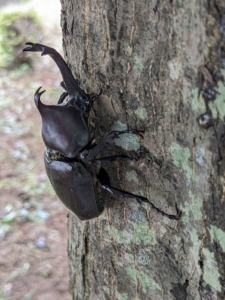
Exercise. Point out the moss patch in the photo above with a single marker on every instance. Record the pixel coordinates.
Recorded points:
(16, 28)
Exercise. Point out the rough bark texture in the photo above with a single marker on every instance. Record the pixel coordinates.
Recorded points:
(145, 55)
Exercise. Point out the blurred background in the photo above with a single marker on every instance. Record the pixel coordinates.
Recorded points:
(33, 222)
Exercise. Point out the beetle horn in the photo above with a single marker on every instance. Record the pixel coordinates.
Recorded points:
(37, 97)
(70, 82)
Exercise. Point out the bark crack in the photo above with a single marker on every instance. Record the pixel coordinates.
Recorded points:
(86, 35)
(85, 263)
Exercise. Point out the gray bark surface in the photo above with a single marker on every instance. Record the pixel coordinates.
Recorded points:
(145, 55)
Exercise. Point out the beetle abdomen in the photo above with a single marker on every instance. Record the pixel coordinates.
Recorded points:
(74, 187)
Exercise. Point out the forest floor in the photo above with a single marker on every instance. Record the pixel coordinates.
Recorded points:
(33, 222)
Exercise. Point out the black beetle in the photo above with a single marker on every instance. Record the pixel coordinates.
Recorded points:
(69, 153)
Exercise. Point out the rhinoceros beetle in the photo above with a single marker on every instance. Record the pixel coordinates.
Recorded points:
(69, 154)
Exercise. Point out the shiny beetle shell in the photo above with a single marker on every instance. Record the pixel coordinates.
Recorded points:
(73, 185)
(63, 128)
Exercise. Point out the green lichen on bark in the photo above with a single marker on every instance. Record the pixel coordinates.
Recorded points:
(145, 282)
(217, 235)
(192, 209)
(141, 113)
(180, 157)
(217, 106)
(175, 67)
(127, 141)
(211, 273)
(132, 176)
(197, 104)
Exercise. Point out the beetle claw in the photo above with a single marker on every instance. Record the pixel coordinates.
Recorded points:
(34, 48)
(135, 131)
(94, 96)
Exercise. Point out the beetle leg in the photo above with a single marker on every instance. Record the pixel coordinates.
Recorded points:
(90, 155)
(113, 158)
(62, 97)
(96, 95)
(92, 100)
(140, 199)
(62, 84)
(68, 78)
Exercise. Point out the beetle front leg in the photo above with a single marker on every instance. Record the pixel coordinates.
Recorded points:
(140, 199)
(62, 97)
(62, 84)
(89, 155)
(92, 100)
(64, 94)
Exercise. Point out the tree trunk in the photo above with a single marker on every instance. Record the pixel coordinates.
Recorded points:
(146, 55)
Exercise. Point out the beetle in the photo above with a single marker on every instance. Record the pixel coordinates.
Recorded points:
(69, 153)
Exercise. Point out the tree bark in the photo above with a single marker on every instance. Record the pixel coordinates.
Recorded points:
(146, 55)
